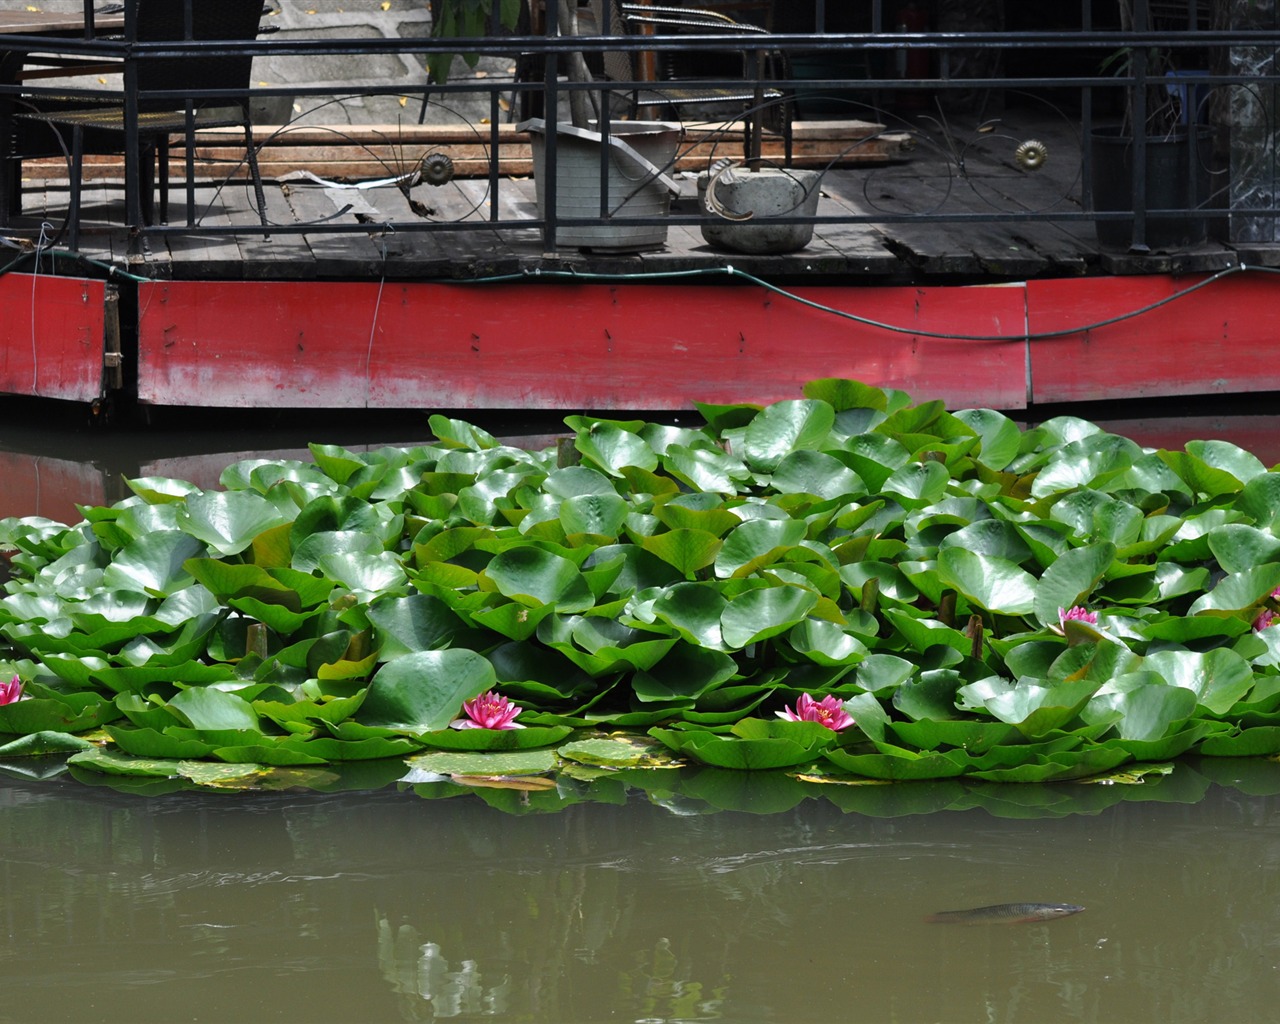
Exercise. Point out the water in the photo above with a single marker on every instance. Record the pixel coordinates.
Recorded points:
(385, 906)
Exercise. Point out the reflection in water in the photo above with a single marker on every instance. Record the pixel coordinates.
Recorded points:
(386, 907)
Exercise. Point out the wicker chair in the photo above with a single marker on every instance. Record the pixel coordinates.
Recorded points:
(674, 90)
(100, 127)
(679, 91)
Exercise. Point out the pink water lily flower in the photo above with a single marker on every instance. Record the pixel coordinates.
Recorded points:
(1265, 618)
(488, 711)
(1077, 614)
(11, 692)
(829, 712)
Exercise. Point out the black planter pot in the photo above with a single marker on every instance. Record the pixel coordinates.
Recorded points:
(1171, 184)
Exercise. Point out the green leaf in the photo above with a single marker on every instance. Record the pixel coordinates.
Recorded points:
(424, 691)
(1239, 592)
(534, 576)
(999, 435)
(773, 746)
(229, 520)
(784, 427)
(757, 543)
(611, 448)
(1071, 579)
(686, 550)
(995, 584)
(759, 614)
(206, 708)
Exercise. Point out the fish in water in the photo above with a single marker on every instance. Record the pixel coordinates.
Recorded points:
(1006, 913)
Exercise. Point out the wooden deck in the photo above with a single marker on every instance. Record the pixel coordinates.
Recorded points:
(914, 175)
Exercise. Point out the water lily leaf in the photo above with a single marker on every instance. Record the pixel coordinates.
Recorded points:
(512, 620)
(1238, 547)
(918, 483)
(826, 643)
(153, 564)
(1219, 678)
(160, 490)
(1084, 463)
(367, 574)
(810, 472)
(686, 550)
(922, 634)
(759, 614)
(757, 543)
(783, 427)
(1224, 455)
(1203, 478)
(705, 469)
(146, 742)
(610, 447)
(694, 610)
(842, 394)
(995, 584)
(973, 736)
(762, 752)
(596, 517)
(1260, 741)
(309, 553)
(999, 435)
(1147, 712)
(418, 622)
(203, 707)
(993, 537)
(106, 761)
(228, 521)
(1260, 499)
(1059, 767)
(534, 576)
(899, 764)
(459, 434)
(465, 763)
(50, 715)
(1239, 592)
(1070, 579)
(685, 672)
(1036, 710)
(528, 738)
(40, 744)
(423, 691)
(881, 674)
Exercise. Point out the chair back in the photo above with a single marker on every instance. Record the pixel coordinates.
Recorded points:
(165, 21)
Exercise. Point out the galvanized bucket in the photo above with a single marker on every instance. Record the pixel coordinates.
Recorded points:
(640, 153)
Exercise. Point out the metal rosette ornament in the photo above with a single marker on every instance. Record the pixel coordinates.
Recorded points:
(1031, 155)
(437, 169)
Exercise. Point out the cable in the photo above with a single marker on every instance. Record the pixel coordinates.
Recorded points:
(1065, 332)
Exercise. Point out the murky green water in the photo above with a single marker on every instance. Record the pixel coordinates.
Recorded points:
(388, 907)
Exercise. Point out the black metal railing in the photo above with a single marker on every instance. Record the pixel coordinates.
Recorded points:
(1125, 93)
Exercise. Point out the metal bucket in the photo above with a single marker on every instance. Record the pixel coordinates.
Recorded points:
(640, 154)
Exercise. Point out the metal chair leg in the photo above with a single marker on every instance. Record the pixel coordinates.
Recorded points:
(251, 154)
(77, 176)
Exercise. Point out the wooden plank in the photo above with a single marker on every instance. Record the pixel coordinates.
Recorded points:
(216, 255)
(51, 336)
(1205, 341)
(339, 254)
(369, 152)
(425, 344)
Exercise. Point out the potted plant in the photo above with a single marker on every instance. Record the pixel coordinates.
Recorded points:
(1176, 148)
(640, 152)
